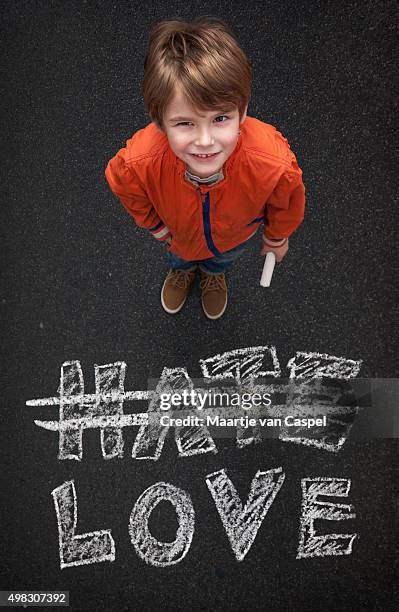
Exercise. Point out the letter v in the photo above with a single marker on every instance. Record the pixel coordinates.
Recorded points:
(242, 524)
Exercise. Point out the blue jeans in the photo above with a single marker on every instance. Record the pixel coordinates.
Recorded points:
(214, 265)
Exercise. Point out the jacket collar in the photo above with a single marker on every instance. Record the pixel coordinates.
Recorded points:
(208, 181)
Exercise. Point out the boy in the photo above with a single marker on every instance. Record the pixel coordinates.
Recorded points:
(203, 176)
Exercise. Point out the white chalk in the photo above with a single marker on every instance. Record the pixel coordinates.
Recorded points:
(312, 544)
(242, 364)
(104, 409)
(267, 271)
(151, 550)
(81, 549)
(243, 522)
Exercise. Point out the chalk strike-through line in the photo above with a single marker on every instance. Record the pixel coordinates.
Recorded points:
(91, 398)
(127, 420)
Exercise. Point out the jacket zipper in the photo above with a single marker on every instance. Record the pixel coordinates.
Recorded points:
(206, 205)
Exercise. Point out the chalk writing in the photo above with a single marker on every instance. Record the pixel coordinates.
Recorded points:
(92, 547)
(311, 544)
(151, 436)
(104, 408)
(242, 364)
(305, 393)
(151, 550)
(241, 523)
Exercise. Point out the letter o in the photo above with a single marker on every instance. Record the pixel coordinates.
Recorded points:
(151, 550)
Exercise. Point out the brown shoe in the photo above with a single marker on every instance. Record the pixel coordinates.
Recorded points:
(214, 294)
(175, 290)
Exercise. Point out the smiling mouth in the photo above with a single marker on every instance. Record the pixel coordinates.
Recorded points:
(204, 155)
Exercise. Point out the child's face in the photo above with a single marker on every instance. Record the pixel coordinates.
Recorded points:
(190, 133)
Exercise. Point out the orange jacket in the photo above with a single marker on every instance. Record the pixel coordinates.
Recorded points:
(262, 183)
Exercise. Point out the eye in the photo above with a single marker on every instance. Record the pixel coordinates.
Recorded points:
(183, 123)
(221, 117)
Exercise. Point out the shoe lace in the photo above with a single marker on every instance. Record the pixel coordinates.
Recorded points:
(180, 279)
(213, 282)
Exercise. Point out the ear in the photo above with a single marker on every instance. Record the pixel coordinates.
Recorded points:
(244, 115)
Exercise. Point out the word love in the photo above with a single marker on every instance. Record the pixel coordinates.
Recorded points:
(241, 523)
(103, 409)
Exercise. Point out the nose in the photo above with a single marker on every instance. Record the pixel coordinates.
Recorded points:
(204, 137)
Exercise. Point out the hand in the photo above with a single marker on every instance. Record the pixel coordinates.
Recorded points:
(279, 251)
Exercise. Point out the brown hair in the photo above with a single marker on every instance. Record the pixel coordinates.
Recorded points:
(204, 58)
